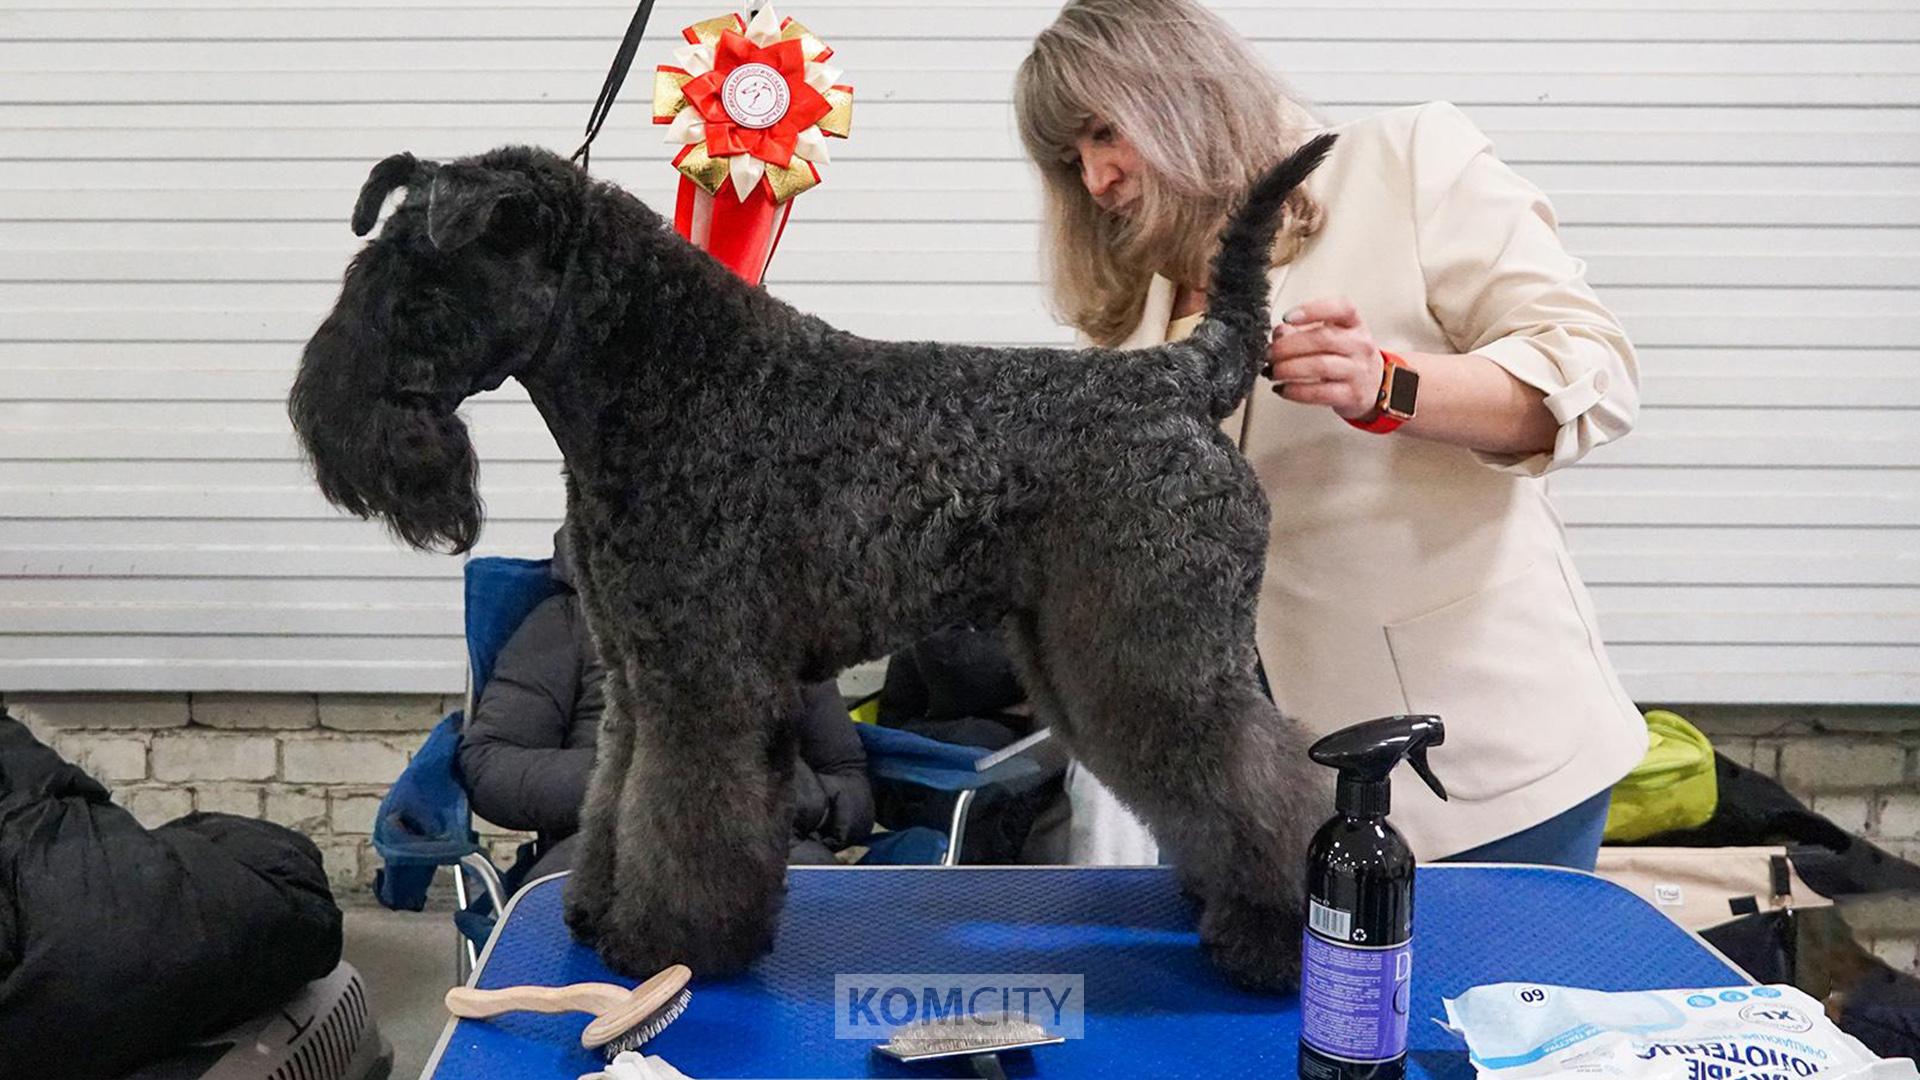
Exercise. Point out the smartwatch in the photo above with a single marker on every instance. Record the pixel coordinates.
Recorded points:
(1399, 389)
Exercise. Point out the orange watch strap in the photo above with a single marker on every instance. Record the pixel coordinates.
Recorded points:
(1378, 420)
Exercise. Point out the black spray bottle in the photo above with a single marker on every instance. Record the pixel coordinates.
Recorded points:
(1357, 957)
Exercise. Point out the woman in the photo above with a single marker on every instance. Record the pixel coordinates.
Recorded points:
(1415, 564)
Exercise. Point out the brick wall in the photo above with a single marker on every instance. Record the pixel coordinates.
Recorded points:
(1859, 766)
(316, 763)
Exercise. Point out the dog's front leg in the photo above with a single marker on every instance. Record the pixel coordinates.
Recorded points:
(700, 834)
(590, 885)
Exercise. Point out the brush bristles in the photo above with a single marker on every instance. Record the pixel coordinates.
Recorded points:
(654, 1024)
(974, 1037)
(927, 1047)
(971, 1033)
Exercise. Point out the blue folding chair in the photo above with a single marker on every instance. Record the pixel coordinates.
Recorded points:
(963, 771)
(424, 821)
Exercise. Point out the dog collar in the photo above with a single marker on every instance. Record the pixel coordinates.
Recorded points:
(551, 332)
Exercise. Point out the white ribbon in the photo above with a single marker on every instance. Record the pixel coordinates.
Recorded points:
(821, 76)
(745, 171)
(765, 27)
(687, 127)
(812, 145)
(695, 60)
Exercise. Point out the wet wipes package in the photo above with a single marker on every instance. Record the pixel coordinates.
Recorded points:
(1516, 1030)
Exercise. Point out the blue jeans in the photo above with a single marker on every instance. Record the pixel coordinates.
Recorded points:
(1570, 839)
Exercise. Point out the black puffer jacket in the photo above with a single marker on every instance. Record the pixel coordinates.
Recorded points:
(120, 943)
(527, 751)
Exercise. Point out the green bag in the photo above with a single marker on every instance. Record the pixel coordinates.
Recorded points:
(1673, 787)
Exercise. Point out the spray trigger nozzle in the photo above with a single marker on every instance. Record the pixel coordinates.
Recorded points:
(1418, 759)
(1366, 755)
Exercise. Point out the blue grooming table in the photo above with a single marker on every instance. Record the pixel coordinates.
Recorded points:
(1154, 1007)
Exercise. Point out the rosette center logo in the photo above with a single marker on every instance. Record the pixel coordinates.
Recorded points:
(755, 96)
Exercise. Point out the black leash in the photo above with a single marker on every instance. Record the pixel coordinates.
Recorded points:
(602, 106)
(616, 75)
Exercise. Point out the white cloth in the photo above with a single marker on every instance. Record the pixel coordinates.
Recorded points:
(632, 1065)
(1540, 1032)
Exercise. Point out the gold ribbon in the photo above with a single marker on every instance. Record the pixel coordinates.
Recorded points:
(703, 169)
(811, 47)
(707, 31)
(839, 122)
(669, 95)
(790, 181)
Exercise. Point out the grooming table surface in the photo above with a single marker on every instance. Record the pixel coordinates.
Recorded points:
(1154, 1007)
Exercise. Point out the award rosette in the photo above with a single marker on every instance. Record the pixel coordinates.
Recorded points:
(751, 104)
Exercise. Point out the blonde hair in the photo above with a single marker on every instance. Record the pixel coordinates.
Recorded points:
(1207, 117)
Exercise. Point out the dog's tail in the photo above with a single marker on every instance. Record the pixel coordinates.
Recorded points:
(1238, 325)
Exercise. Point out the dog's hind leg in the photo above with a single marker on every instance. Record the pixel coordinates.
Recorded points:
(702, 825)
(1155, 667)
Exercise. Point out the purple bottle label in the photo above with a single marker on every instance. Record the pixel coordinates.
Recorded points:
(1353, 1001)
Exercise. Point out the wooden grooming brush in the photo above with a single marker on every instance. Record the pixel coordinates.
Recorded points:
(623, 1019)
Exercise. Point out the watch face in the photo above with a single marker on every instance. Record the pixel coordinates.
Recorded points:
(1402, 391)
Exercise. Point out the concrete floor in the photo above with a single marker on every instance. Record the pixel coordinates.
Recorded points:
(407, 960)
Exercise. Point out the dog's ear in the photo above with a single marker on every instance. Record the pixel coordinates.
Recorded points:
(461, 201)
(395, 171)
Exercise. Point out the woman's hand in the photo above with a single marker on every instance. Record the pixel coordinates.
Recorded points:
(1322, 354)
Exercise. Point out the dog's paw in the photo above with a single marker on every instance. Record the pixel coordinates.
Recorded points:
(583, 913)
(1256, 947)
(636, 957)
(640, 948)
(589, 894)
(725, 931)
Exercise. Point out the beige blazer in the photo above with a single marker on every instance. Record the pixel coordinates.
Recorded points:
(1409, 576)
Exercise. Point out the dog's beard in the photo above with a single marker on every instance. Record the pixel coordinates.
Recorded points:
(406, 463)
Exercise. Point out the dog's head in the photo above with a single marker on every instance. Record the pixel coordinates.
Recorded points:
(451, 298)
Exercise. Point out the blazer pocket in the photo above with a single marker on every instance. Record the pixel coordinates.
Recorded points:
(1513, 672)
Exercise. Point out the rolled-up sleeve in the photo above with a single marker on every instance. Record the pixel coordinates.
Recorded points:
(1501, 286)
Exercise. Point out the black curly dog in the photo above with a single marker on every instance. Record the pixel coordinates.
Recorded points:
(760, 500)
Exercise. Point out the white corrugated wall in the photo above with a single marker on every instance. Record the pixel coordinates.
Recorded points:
(175, 180)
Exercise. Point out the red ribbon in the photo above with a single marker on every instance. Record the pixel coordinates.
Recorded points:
(741, 235)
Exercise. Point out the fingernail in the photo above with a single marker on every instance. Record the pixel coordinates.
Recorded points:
(1291, 316)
